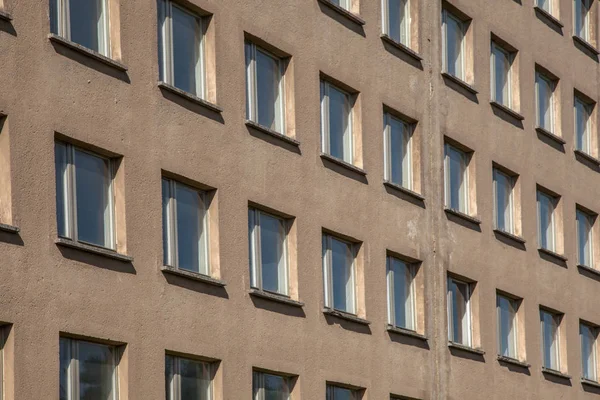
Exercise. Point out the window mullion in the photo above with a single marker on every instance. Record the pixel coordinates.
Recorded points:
(391, 294)
(254, 70)
(72, 193)
(74, 375)
(173, 227)
(259, 274)
(169, 36)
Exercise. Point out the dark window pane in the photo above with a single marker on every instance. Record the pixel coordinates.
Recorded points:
(339, 130)
(341, 273)
(96, 368)
(189, 229)
(267, 91)
(65, 360)
(195, 379)
(166, 195)
(60, 160)
(87, 24)
(272, 238)
(186, 51)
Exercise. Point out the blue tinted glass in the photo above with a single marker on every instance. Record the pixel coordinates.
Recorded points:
(186, 51)
(267, 91)
(339, 132)
(341, 271)
(188, 228)
(87, 23)
(96, 368)
(272, 254)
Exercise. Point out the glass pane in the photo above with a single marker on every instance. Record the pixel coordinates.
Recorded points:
(501, 79)
(454, 38)
(166, 196)
(339, 125)
(506, 324)
(456, 185)
(581, 11)
(503, 186)
(545, 5)
(87, 23)
(186, 51)
(267, 91)
(588, 351)
(169, 372)
(399, 137)
(96, 369)
(403, 299)
(338, 393)
(549, 340)
(60, 160)
(581, 126)
(92, 185)
(459, 297)
(194, 379)
(546, 221)
(191, 249)
(342, 3)
(342, 276)
(584, 242)
(398, 20)
(272, 242)
(275, 387)
(65, 360)
(545, 102)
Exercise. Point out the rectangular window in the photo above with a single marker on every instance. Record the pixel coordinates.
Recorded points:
(589, 366)
(583, 111)
(87, 370)
(546, 205)
(268, 252)
(396, 20)
(185, 227)
(336, 122)
(85, 22)
(188, 379)
(397, 151)
(453, 33)
(339, 274)
(456, 179)
(581, 16)
(503, 201)
(550, 324)
(459, 312)
(544, 88)
(545, 5)
(585, 244)
(270, 387)
(84, 196)
(401, 296)
(181, 48)
(264, 88)
(507, 326)
(340, 393)
(501, 80)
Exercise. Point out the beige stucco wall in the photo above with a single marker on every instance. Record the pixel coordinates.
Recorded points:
(44, 290)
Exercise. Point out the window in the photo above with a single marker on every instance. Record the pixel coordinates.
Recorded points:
(581, 16)
(503, 201)
(268, 252)
(401, 296)
(185, 227)
(589, 366)
(84, 196)
(506, 309)
(459, 312)
(453, 32)
(340, 393)
(270, 387)
(501, 61)
(336, 122)
(583, 139)
(345, 4)
(264, 88)
(585, 244)
(181, 48)
(544, 88)
(545, 5)
(456, 179)
(397, 152)
(339, 272)
(396, 21)
(85, 22)
(546, 205)
(188, 379)
(550, 341)
(87, 370)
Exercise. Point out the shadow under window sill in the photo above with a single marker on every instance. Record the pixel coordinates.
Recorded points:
(272, 133)
(404, 190)
(550, 135)
(510, 236)
(513, 361)
(400, 46)
(342, 11)
(556, 373)
(587, 156)
(589, 269)
(279, 298)
(190, 97)
(551, 18)
(462, 347)
(167, 269)
(587, 45)
(5, 15)
(460, 82)
(344, 164)
(87, 52)
(346, 316)
(507, 110)
(9, 228)
(462, 215)
(553, 254)
(406, 332)
(93, 250)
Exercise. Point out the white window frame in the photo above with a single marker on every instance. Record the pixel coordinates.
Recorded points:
(587, 134)
(445, 15)
(174, 378)
(450, 312)
(73, 384)
(392, 295)
(255, 250)
(70, 197)
(552, 87)
(328, 273)
(258, 384)
(325, 133)
(63, 24)
(556, 338)
(509, 59)
(447, 180)
(387, 149)
(511, 206)
(552, 239)
(515, 331)
(594, 331)
(166, 27)
(385, 22)
(171, 225)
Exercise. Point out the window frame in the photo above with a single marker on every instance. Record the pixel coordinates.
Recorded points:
(468, 311)
(255, 250)
(585, 26)
(391, 294)
(328, 273)
(386, 23)
(174, 378)
(551, 83)
(408, 130)
(511, 204)
(330, 391)
(553, 202)
(514, 332)
(464, 188)
(590, 237)
(586, 135)
(509, 57)
(325, 126)
(556, 318)
(445, 15)
(258, 384)
(594, 352)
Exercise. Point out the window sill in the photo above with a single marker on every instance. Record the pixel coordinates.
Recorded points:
(510, 236)
(589, 269)
(346, 316)
(588, 157)
(513, 361)
(406, 332)
(549, 16)
(93, 250)
(589, 382)
(9, 228)
(88, 52)
(344, 164)
(189, 96)
(458, 346)
(400, 46)
(587, 45)
(550, 135)
(554, 372)
(404, 190)
(166, 269)
(460, 82)
(553, 254)
(276, 297)
(342, 11)
(270, 132)
(5, 16)
(507, 110)
(462, 215)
